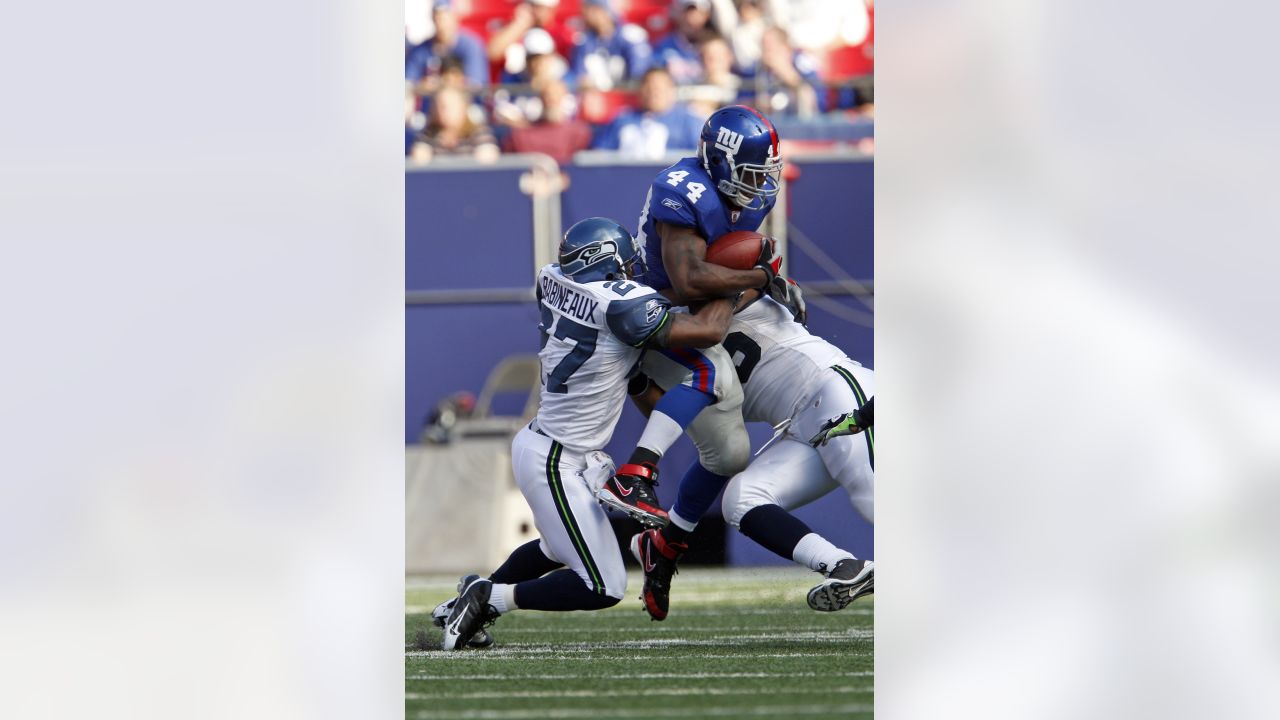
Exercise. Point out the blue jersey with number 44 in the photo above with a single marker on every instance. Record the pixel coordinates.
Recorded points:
(593, 334)
(685, 195)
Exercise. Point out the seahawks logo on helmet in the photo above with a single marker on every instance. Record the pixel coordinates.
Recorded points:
(587, 255)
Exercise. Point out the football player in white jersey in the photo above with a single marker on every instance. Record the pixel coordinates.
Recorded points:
(596, 323)
(790, 375)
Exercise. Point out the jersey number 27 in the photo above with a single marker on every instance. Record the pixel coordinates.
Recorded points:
(584, 339)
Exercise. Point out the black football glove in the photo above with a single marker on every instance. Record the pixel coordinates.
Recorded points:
(788, 293)
(770, 261)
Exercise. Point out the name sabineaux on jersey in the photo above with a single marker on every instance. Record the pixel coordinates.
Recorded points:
(568, 301)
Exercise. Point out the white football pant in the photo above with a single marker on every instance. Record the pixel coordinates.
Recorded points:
(574, 529)
(791, 473)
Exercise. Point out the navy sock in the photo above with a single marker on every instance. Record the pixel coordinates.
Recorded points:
(698, 490)
(526, 562)
(682, 404)
(644, 456)
(774, 529)
(561, 590)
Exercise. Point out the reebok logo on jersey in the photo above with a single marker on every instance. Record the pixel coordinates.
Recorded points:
(652, 310)
(728, 141)
(673, 204)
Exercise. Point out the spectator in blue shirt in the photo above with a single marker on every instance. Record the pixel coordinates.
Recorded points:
(606, 54)
(678, 51)
(719, 84)
(422, 64)
(516, 102)
(785, 81)
(660, 125)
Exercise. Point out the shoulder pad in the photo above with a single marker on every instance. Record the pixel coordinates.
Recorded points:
(634, 320)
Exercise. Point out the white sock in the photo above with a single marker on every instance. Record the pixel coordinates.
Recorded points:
(814, 552)
(660, 433)
(503, 598)
(681, 522)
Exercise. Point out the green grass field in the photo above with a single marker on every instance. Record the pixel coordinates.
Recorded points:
(737, 643)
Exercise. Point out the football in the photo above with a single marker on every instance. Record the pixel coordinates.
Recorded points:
(739, 250)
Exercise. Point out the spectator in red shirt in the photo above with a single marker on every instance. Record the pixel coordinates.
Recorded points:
(554, 133)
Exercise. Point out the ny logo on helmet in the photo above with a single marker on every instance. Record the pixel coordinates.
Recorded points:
(728, 141)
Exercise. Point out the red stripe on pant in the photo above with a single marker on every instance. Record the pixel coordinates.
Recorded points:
(703, 372)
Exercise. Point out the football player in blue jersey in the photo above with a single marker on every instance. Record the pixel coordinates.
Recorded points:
(730, 185)
(596, 323)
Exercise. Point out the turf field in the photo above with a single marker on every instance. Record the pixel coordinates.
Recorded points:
(738, 643)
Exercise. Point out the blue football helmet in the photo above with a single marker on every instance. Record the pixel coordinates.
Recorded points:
(598, 249)
(739, 150)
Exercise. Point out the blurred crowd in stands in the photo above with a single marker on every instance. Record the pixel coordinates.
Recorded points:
(637, 77)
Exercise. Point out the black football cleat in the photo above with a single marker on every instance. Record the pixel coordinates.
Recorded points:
(657, 559)
(470, 613)
(631, 491)
(440, 614)
(847, 581)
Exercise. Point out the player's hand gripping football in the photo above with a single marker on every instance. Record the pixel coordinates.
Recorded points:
(770, 261)
(788, 293)
(850, 423)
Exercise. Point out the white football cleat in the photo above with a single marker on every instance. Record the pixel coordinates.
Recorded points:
(848, 581)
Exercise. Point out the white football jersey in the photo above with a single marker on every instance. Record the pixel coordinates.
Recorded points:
(779, 361)
(592, 339)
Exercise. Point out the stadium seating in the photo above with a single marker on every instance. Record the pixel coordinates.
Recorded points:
(602, 107)
(848, 62)
(652, 15)
(484, 16)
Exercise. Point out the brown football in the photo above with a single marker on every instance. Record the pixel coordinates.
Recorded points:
(739, 250)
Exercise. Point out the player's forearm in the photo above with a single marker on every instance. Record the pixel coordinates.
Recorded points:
(705, 280)
(702, 329)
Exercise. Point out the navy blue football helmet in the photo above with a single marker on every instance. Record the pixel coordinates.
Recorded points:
(598, 249)
(739, 150)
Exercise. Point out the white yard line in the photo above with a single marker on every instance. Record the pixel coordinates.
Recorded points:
(787, 711)
(681, 612)
(648, 676)
(498, 694)
(675, 630)
(627, 655)
(583, 650)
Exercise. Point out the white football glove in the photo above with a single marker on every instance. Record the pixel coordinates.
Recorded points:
(600, 467)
